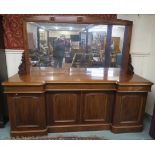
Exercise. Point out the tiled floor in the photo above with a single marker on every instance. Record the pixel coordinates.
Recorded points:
(5, 133)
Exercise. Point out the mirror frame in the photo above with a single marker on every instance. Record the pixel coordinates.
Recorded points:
(126, 66)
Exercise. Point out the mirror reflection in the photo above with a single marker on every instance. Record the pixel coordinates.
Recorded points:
(74, 45)
(116, 47)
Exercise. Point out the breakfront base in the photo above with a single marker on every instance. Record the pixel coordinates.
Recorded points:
(81, 127)
(32, 133)
(77, 128)
(124, 129)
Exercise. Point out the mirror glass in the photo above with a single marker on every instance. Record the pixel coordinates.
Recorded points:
(116, 47)
(61, 45)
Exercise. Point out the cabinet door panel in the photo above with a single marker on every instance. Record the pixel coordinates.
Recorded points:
(129, 108)
(27, 111)
(97, 107)
(63, 108)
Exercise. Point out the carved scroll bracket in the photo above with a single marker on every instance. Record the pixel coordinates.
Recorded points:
(22, 66)
(130, 67)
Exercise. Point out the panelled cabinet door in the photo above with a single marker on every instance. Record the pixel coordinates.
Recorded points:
(27, 111)
(129, 109)
(97, 107)
(63, 107)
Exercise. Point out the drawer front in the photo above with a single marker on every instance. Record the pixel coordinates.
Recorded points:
(23, 89)
(134, 88)
(79, 86)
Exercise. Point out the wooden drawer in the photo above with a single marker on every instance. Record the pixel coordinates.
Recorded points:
(23, 89)
(79, 86)
(134, 88)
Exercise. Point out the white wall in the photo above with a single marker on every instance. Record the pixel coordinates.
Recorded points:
(13, 60)
(143, 50)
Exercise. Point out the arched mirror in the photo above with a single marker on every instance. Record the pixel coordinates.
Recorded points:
(64, 41)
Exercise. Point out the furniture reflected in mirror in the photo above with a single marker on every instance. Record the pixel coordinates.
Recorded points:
(83, 45)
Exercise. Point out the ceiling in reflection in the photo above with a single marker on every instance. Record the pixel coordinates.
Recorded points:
(62, 26)
(72, 27)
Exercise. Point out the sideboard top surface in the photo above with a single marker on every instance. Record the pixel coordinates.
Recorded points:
(40, 76)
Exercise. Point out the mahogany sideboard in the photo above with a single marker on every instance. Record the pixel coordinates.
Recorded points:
(74, 99)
